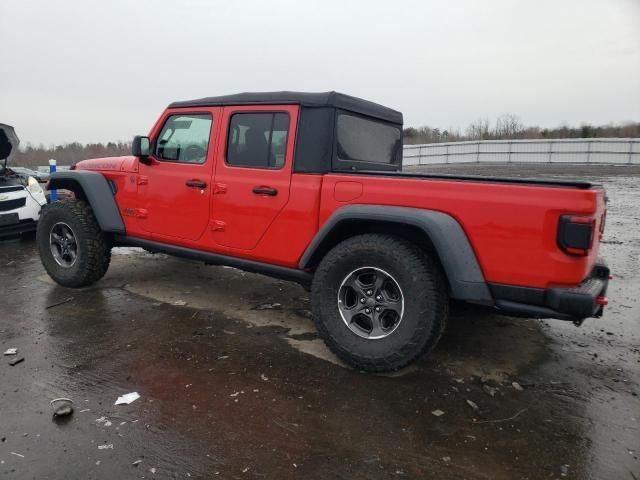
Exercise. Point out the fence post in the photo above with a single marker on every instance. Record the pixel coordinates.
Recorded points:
(478, 152)
(53, 194)
(630, 151)
(446, 154)
(550, 149)
(589, 143)
(509, 156)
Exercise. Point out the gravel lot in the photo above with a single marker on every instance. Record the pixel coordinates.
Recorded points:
(234, 383)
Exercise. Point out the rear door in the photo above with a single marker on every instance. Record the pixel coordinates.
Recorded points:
(253, 172)
(174, 191)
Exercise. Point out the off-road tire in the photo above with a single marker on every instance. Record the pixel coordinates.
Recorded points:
(93, 245)
(426, 302)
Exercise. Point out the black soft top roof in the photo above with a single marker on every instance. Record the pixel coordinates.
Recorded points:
(324, 99)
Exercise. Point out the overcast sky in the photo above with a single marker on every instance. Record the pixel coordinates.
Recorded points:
(84, 70)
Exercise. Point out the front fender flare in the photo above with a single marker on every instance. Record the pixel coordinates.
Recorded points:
(449, 240)
(98, 193)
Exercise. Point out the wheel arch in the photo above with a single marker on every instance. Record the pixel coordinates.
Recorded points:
(97, 191)
(435, 232)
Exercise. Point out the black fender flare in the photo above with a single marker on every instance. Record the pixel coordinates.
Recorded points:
(96, 189)
(456, 255)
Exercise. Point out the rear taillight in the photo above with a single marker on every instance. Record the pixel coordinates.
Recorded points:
(575, 234)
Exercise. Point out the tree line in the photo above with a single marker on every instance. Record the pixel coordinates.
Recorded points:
(69, 153)
(507, 126)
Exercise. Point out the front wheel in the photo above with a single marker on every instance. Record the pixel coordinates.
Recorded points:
(74, 250)
(379, 302)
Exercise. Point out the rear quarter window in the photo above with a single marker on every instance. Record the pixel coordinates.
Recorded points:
(363, 140)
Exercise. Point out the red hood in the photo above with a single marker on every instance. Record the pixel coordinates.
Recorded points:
(107, 163)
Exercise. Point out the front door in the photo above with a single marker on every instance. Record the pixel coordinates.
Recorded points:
(253, 172)
(175, 189)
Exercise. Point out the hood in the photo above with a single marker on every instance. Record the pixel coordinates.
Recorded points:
(107, 163)
(9, 142)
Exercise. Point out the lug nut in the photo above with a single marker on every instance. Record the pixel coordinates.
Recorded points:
(378, 297)
(367, 310)
(369, 292)
(378, 309)
(362, 300)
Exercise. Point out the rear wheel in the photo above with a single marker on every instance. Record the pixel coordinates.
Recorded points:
(73, 249)
(379, 302)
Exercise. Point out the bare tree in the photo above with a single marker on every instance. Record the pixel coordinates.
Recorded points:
(478, 129)
(508, 126)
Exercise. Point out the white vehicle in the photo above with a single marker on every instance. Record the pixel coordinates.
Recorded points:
(21, 196)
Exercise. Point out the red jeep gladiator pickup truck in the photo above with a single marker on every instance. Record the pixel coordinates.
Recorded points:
(308, 187)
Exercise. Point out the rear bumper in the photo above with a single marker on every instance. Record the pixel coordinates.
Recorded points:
(574, 304)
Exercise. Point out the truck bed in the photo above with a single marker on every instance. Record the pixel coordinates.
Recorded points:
(550, 182)
(511, 223)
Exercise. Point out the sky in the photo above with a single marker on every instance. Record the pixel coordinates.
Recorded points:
(96, 71)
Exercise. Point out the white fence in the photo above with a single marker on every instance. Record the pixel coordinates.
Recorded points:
(574, 150)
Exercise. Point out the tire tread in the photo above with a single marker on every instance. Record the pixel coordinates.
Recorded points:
(98, 245)
(429, 279)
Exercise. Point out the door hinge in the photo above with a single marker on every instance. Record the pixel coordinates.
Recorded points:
(219, 188)
(142, 180)
(218, 226)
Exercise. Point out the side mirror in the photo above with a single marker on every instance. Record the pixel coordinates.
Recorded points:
(141, 148)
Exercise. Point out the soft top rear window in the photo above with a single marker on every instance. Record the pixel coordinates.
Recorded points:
(361, 139)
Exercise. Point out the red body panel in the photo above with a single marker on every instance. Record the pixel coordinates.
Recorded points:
(241, 216)
(511, 227)
(168, 208)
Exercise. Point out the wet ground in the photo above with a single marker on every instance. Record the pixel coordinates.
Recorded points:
(234, 383)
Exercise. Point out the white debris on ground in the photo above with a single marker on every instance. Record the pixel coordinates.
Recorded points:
(127, 398)
(11, 351)
(489, 390)
(473, 405)
(104, 420)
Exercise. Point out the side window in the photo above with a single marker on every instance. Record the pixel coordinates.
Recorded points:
(184, 138)
(258, 140)
(363, 140)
